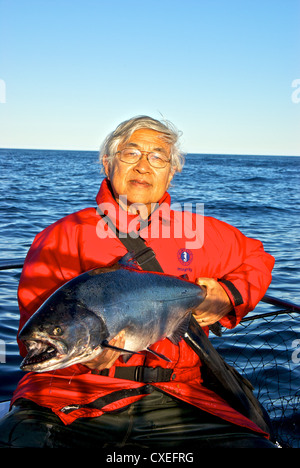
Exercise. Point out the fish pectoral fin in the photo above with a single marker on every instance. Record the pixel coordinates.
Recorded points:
(158, 354)
(105, 344)
(180, 330)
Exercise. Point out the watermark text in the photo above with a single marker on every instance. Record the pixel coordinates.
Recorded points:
(2, 352)
(296, 93)
(177, 221)
(2, 91)
(155, 457)
(296, 353)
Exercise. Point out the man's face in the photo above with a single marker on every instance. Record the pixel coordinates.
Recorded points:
(140, 182)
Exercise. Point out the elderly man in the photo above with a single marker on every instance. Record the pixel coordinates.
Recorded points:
(104, 402)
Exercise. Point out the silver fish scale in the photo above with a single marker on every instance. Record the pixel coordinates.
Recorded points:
(147, 305)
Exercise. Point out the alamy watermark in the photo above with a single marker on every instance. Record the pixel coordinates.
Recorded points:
(2, 91)
(2, 352)
(167, 222)
(296, 93)
(296, 353)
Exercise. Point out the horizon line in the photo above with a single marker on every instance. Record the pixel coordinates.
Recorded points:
(185, 153)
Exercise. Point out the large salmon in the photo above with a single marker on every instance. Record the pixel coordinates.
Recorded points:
(78, 320)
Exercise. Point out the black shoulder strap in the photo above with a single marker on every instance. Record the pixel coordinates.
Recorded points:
(144, 255)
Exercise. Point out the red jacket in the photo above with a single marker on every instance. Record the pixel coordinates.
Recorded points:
(199, 247)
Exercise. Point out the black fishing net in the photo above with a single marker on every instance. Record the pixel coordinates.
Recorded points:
(265, 349)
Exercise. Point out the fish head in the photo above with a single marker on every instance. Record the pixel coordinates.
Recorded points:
(62, 332)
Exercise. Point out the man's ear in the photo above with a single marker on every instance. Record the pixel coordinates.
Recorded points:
(171, 175)
(105, 165)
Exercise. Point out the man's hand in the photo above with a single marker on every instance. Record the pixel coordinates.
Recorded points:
(216, 304)
(108, 357)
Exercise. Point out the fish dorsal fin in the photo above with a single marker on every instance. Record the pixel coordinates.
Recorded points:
(129, 261)
(180, 330)
(184, 276)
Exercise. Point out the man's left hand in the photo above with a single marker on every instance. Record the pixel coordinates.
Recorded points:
(216, 304)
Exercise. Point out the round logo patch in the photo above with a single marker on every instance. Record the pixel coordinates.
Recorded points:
(185, 256)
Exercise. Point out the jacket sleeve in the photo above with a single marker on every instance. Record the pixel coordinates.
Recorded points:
(51, 261)
(244, 270)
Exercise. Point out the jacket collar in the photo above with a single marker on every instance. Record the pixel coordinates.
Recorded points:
(124, 221)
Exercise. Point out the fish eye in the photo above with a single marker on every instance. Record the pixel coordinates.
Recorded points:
(57, 331)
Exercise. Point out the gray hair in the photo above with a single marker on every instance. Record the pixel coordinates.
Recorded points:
(123, 132)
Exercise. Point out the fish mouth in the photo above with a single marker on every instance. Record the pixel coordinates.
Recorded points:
(40, 352)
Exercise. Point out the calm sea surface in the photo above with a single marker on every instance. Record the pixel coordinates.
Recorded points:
(257, 194)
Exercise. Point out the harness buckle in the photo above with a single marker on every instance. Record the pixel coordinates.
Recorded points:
(152, 374)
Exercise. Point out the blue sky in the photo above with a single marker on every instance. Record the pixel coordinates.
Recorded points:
(220, 70)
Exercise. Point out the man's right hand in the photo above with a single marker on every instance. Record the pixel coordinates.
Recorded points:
(108, 356)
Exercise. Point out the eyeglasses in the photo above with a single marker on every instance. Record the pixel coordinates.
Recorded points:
(132, 156)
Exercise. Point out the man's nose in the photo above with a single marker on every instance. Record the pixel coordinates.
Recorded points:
(143, 164)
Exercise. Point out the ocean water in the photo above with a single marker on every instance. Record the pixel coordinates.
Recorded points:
(257, 194)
